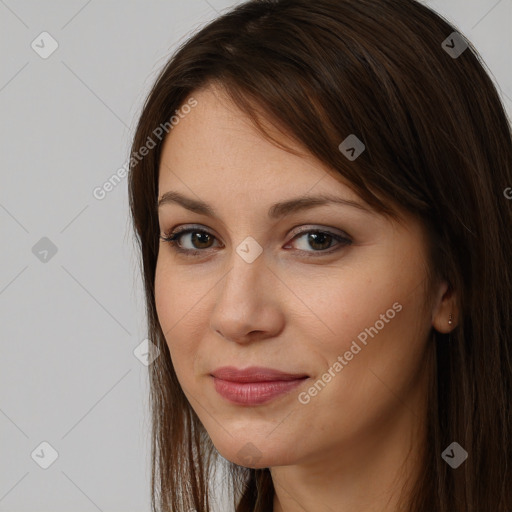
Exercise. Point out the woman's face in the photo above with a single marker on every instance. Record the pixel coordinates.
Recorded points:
(264, 290)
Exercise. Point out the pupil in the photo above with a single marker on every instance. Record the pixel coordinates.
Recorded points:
(197, 235)
(315, 237)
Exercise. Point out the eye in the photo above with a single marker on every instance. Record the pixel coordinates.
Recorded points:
(320, 241)
(197, 236)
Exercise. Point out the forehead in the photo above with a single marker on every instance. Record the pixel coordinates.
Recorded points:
(216, 150)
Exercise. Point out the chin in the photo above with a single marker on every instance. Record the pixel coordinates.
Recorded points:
(257, 455)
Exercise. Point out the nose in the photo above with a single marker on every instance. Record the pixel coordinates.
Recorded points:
(247, 307)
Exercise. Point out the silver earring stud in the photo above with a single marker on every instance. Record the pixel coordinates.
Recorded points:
(450, 320)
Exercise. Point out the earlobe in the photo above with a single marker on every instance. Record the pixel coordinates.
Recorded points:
(444, 309)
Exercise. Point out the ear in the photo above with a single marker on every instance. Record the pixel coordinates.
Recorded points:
(443, 305)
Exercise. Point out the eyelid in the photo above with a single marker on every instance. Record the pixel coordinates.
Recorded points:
(186, 228)
(293, 233)
(313, 227)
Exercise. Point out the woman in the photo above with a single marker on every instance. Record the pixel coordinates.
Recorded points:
(318, 190)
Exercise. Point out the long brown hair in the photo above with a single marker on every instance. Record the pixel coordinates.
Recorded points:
(438, 143)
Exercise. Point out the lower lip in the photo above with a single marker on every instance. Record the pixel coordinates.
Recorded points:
(254, 393)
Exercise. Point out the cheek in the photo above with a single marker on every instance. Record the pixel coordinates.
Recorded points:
(174, 297)
(171, 311)
(337, 306)
(381, 338)
(371, 313)
(180, 306)
(164, 298)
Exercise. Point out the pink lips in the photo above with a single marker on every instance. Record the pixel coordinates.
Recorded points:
(254, 385)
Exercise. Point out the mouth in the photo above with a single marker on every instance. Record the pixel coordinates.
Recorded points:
(255, 374)
(254, 385)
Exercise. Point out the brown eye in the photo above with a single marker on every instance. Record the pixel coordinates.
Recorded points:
(199, 239)
(320, 241)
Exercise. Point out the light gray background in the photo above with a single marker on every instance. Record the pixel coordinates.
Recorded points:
(69, 326)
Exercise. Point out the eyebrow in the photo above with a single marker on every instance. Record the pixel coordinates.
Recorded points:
(276, 211)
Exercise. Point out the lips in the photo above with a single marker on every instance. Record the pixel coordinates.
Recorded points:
(255, 385)
(254, 374)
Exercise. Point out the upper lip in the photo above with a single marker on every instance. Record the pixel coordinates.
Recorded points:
(254, 374)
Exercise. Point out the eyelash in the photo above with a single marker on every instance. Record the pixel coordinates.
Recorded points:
(172, 238)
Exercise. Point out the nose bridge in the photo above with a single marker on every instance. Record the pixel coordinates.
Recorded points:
(243, 300)
(244, 282)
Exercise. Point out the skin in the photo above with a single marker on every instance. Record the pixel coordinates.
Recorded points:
(347, 448)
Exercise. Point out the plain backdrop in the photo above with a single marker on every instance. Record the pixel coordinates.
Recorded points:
(73, 394)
